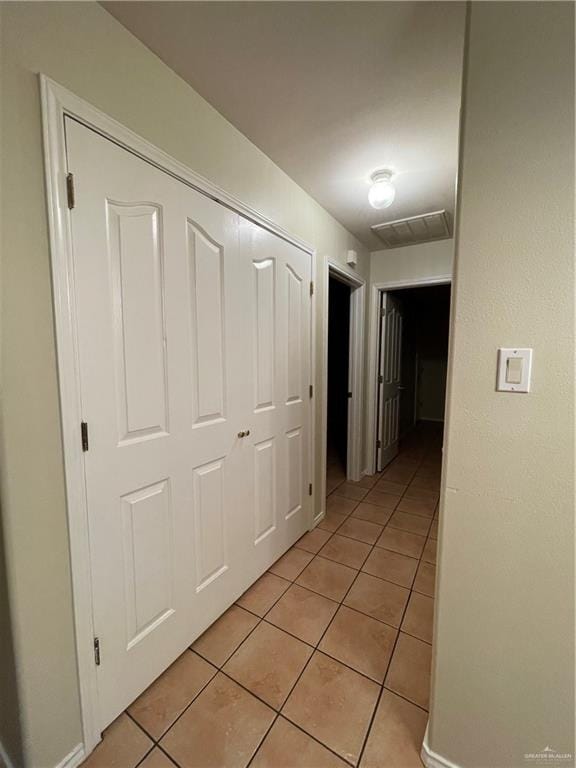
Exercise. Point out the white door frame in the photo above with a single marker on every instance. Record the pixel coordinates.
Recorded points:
(57, 103)
(373, 342)
(355, 373)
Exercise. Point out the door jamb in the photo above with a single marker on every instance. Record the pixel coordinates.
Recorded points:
(355, 373)
(372, 384)
(57, 103)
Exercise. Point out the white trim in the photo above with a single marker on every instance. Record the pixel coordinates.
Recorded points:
(67, 103)
(314, 518)
(372, 385)
(432, 759)
(58, 102)
(4, 757)
(356, 369)
(73, 758)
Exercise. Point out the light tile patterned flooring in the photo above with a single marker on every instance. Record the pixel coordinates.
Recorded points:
(325, 661)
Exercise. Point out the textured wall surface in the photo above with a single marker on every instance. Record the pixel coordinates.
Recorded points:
(82, 47)
(412, 262)
(503, 677)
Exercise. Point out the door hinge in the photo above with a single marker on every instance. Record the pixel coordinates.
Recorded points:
(310, 490)
(382, 312)
(311, 390)
(380, 379)
(311, 287)
(70, 190)
(84, 433)
(378, 443)
(97, 651)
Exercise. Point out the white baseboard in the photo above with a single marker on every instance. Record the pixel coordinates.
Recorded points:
(73, 758)
(318, 519)
(432, 759)
(4, 759)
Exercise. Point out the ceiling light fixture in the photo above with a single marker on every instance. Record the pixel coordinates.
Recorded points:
(382, 192)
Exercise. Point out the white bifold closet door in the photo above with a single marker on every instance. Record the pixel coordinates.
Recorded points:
(193, 339)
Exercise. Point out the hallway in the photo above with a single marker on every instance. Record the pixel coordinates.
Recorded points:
(325, 660)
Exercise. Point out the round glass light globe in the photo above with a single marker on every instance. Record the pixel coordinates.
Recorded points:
(381, 194)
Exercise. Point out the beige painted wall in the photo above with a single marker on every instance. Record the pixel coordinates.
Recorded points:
(412, 262)
(82, 47)
(504, 666)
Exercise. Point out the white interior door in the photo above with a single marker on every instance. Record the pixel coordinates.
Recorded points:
(277, 356)
(196, 471)
(389, 385)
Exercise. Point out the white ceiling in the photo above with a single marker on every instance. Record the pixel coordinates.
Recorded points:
(329, 90)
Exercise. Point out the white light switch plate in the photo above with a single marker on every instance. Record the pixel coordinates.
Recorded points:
(514, 369)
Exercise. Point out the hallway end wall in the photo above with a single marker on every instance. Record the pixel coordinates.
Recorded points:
(424, 261)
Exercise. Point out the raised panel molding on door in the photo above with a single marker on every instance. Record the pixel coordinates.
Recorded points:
(265, 489)
(210, 523)
(264, 300)
(294, 472)
(207, 297)
(136, 259)
(294, 335)
(149, 558)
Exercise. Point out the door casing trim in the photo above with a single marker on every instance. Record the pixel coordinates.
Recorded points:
(376, 289)
(57, 103)
(355, 370)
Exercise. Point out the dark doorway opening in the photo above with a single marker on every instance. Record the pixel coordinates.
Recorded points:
(338, 376)
(412, 364)
(424, 360)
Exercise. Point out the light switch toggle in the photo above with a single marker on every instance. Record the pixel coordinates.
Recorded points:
(514, 368)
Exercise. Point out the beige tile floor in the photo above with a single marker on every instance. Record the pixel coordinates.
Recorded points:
(325, 661)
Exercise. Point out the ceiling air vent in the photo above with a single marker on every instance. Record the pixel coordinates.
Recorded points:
(415, 229)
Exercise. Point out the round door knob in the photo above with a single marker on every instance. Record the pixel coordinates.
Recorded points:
(247, 433)
(242, 434)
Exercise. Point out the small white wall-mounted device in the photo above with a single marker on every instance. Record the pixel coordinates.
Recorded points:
(351, 258)
(514, 368)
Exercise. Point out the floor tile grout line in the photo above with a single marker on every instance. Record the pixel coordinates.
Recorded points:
(148, 751)
(157, 741)
(405, 698)
(339, 603)
(346, 593)
(369, 729)
(317, 649)
(353, 669)
(279, 711)
(314, 738)
(398, 630)
(327, 653)
(315, 555)
(140, 726)
(263, 739)
(168, 755)
(218, 669)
